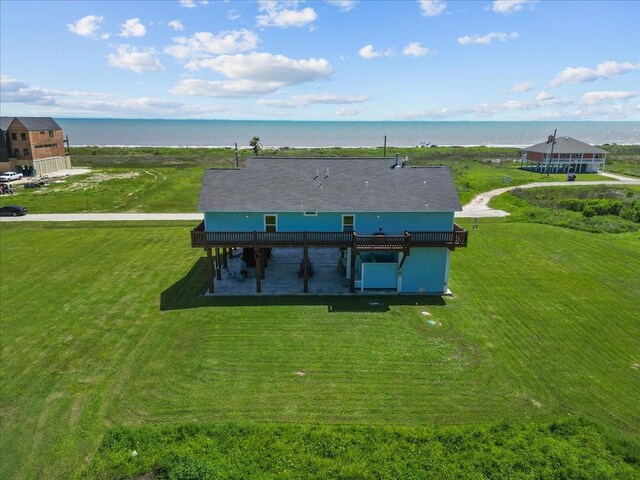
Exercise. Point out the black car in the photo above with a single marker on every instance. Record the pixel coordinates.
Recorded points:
(12, 211)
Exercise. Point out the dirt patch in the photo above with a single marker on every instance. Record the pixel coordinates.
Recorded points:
(635, 366)
(300, 374)
(95, 179)
(536, 403)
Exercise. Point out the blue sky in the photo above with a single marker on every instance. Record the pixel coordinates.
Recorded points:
(322, 60)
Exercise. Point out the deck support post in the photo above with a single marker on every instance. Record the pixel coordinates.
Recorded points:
(218, 264)
(352, 279)
(263, 263)
(258, 271)
(210, 270)
(305, 264)
(224, 257)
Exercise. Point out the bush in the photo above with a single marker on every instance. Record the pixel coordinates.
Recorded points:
(573, 204)
(631, 212)
(189, 468)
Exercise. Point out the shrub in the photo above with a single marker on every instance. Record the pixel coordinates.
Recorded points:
(573, 204)
(189, 468)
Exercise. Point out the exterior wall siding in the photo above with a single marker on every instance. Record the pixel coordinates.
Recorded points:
(54, 145)
(426, 271)
(19, 144)
(366, 223)
(39, 145)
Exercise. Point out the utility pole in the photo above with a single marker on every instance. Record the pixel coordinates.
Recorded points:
(384, 154)
(553, 142)
(237, 164)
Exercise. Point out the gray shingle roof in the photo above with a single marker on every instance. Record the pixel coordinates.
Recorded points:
(5, 122)
(353, 185)
(39, 123)
(565, 145)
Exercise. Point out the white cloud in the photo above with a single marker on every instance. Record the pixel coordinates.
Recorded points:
(606, 69)
(176, 25)
(315, 98)
(592, 98)
(192, 3)
(87, 26)
(349, 112)
(133, 28)
(369, 52)
(487, 39)
(544, 97)
(138, 61)
(252, 74)
(518, 105)
(520, 87)
(266, 67)
(233, 14)
(202, 44)
(278, 14)
(431, 8)
(509, 6)
(343, 5)
(223, 89)
(414, 49)
(99, 104)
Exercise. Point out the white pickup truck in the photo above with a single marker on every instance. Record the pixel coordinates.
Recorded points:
(10, 176)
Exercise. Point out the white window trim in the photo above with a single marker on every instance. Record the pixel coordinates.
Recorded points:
(349, 215)
(264, 220)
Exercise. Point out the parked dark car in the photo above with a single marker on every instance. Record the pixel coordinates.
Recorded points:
(12, 211)
(571, 177)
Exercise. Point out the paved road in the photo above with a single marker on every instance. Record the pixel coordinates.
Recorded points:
(478, 207)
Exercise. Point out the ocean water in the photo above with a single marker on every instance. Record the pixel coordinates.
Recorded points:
(340, 134)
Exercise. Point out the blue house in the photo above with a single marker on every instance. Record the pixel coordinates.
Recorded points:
(390, 225)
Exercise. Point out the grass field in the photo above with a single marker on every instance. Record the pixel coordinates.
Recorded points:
(102, 326)
(551, 206)
(164, 183)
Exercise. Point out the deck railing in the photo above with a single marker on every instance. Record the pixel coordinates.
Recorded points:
(457, 238)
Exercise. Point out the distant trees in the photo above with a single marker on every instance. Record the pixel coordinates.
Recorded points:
(254, 143)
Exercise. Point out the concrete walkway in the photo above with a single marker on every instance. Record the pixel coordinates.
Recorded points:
(478, 207)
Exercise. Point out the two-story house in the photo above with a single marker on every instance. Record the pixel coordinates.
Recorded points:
(390, 226)
(563, 155)
(34, 146)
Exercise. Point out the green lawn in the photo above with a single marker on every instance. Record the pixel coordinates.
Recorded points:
(116, 189)
(171, 183)
(102, 326)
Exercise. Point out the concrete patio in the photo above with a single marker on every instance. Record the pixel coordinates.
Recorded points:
(281, 274)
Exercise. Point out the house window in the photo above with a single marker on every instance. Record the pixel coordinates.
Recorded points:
(565, 155)
(25, 152)
(270, 223)
(16, 152)
(14, 136)
(50, 133)
(23, 136)
(310, 214)
(41, 133)
(348, 223)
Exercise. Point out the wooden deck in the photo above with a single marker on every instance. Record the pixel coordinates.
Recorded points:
(402, 243)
